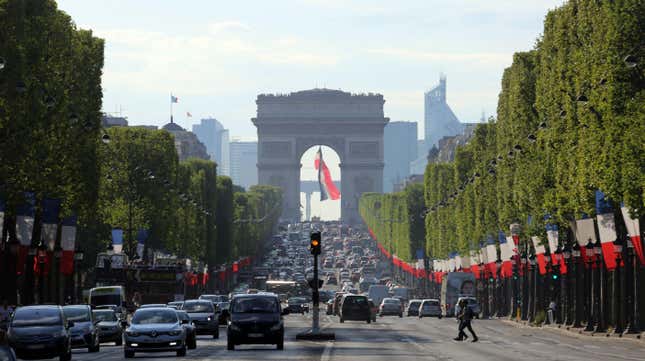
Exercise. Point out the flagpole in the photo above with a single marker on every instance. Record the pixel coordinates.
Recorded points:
(171, 120)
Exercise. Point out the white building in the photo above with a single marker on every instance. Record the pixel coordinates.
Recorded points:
(213, 134)
(243, 162)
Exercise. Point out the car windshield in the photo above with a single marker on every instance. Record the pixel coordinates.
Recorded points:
(255, 305)
(76, 314)
(113, 299)
(36, 317)
(104, 316)
(391, 301)
(198, 307)
(356, 300)
(150, 316)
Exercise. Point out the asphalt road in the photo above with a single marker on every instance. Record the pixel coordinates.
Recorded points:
(408, 338)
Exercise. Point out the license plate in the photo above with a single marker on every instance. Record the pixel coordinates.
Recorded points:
(35, 347)
(256, 335)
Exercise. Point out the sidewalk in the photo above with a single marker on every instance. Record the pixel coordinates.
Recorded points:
(577, 332)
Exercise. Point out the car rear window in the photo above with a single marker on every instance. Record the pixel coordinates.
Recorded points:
(36, 317)
(76, 314)
(197, 307)
(356, 300)
(255, 305)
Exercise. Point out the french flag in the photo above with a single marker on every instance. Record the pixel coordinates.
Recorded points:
(328, 189)
(539, 254)
(507, 251)
(606, 229)
(552, 237)
(491, 256)
(24, 228)
(474, 263)
(68, 243)
(633, 229)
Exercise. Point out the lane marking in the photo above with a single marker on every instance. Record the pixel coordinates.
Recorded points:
(326, 355)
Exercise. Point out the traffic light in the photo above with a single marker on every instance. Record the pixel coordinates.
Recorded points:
(315, 246)
(555, 276)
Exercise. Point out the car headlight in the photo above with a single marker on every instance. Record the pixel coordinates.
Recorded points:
(276, 327)
(234, 327)
(174, 333)
(132, 333)
(209, 318)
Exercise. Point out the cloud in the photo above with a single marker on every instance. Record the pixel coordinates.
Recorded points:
(223, 26)
(424, 56)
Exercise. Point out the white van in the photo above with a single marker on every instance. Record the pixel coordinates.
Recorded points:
(108, 295)
(377, 293)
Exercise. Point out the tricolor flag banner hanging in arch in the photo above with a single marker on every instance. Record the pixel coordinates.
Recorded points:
(328, 189)
(633, 230)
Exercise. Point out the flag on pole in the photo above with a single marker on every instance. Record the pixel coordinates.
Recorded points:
(633, 230)
(117, 240)
(24, 228)
(606, 229)
(539, 254)
(142, 236)
(189, 115)
(51, 208)
(174, 99)
(552, 237)
(68, 243)
(328, 189)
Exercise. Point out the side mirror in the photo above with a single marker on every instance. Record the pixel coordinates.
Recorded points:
(70, 324)
(285, 312)
(124, 323)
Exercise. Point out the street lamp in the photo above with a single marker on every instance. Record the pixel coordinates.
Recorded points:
(42, 257)
(566, 288)
(532, 288)
(78, 259)
(633, 327)
(498, 300)
(576, 286)
(523, 294)
(58, 254)
(618, 252)
(591, 286)
(600, 302)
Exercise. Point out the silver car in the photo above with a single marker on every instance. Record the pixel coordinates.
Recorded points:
(155, 330)
(205, 316)
(430, 308)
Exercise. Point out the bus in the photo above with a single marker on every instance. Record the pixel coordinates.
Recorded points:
(289, 288)
(453, 286)
(108, 296)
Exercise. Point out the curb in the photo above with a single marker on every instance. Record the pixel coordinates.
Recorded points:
(578, 332)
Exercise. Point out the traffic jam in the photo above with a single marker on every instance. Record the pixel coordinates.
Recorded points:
(357, 286)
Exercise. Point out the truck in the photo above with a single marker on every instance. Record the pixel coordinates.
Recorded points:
(453, 286)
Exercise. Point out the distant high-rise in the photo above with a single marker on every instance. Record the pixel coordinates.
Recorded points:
(440, 121)
(400, 148)
(213, 134)
(243, 164)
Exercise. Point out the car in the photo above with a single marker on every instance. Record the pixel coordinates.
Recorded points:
(331, 280)
(390, 306)
(176, 304)
(154, 329)
(223, 312)
(473, 304)
(330, 307)
(85, 334)
(214, 298)
(430, 308)
(413, 308)
(355, 308)
(256, 319)
(109, 326)
(205, 316)
(297, 305)
(187, 324)
(40, 332)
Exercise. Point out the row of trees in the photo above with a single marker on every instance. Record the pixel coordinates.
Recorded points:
(570, 121)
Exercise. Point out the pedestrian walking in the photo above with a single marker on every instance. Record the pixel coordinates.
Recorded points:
(551, 312)
(465, 317)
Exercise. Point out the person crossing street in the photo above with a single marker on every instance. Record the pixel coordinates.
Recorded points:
(465, 317)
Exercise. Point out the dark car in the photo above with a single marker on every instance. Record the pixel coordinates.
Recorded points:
(84, 332)
(256, 319)
(155, 330)
(297, 305)
(223, 312)
(191, 332)
(413, 308)
(355, 308)
(109, 325)
(205, 316)
(40, 332)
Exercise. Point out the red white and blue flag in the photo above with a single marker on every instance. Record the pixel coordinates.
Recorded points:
(328, 189)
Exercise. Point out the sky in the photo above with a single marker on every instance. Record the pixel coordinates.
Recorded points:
(217, 56)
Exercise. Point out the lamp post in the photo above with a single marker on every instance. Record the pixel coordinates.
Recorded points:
(523, 295)
(532, 287)
(498, 299)
(546, 289)
(617, 291)
(600, 302)
(78, 259)
(558, 293)
(576, 286)
(42, 256)
(566, 288)
(591, 286)
(633, 326)
(58, 253)
(13, 246)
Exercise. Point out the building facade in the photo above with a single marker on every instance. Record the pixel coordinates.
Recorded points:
(400, 149)
(215, 137)
(243, 163)
(440, 121)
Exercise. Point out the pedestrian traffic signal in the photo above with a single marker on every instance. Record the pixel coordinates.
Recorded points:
(315, 245)
(555, 276)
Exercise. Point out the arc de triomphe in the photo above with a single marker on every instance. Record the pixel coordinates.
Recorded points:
(351, 124)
